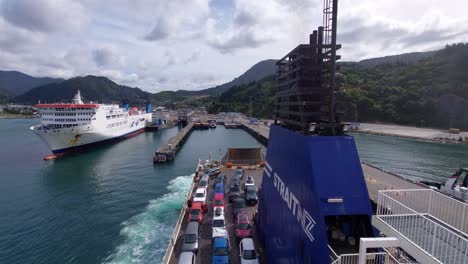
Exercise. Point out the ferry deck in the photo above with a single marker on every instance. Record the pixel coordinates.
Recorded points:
(205, 246)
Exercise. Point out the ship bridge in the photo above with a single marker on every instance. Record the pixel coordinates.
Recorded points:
(430, 226)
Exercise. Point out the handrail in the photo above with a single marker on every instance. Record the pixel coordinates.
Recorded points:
(449, 210)
(175, 233)
(435, 230)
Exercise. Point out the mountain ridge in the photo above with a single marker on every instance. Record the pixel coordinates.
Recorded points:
(17, 83)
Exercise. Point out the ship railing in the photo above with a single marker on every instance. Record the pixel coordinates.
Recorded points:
(409, 213)
(245, 162)
(442, 208)
(371, 258)
(178, 226)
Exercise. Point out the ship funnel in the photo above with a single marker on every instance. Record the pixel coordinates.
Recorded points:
(148, 107)
(125, 105)
(77, 98)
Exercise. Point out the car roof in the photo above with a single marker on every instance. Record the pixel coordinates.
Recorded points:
(219, 208)
(196, 205)
(220, 242)
(219, 184)
(218, 196)
(192, 228)
(218, 217)
(243, 217)
(199, 190)
(205, 177)
(247, 243)
(186, 256)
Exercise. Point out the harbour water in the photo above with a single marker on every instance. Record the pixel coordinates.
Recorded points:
(111, 205)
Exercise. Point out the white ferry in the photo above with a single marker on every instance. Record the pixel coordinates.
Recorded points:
(68, 127)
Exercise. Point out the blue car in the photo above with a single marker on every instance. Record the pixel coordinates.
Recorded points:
(220, 250)
(219, 188)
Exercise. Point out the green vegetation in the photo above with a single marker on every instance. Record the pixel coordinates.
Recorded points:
(237, 99)
(428, 92)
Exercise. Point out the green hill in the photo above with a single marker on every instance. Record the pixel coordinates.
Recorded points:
(430, 90)
(16, 83)
(93, 88)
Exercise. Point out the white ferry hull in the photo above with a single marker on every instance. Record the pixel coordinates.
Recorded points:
(65, 140)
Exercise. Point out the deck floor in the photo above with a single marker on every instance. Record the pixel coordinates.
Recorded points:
(436, 242)
(204, 249)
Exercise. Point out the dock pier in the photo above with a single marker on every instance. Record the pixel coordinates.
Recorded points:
(167, 151)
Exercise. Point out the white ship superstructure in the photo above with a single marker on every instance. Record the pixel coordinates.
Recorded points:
(65, 127)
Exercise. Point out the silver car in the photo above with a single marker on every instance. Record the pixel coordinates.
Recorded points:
(187, 258)
(190, 238)
(248, 254)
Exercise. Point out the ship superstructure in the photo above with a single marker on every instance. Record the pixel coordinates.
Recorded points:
(67, 127)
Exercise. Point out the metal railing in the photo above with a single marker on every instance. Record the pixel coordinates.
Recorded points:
(407, 213)
(443, 208)
(175, 233)
(371, 258)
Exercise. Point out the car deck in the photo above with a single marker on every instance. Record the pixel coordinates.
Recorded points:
(205, 246)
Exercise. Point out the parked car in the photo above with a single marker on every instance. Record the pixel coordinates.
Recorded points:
(220, 250)
(235, 182)
(234, 192)
(243, 226)
(219, 188)
(218, 200)
(239, 173)
(204, 181)
(249, 182)
(219, 225)
(217, 211)
(187, 258)
(200, 195)
(251, 197)
(248, 254)
(220, 179)
(190, 238)
(196, 212)
(238, 205)
(214, 172)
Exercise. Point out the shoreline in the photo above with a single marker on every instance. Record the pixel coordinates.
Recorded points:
(423, 134)
(12, 116)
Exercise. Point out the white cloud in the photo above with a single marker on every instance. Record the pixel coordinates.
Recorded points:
(44, 15)
(178, 19)
(185, 44)
(108, 56)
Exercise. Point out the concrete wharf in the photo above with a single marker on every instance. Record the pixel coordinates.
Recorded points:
(167, 151)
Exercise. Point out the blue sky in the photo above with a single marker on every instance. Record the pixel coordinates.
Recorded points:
(193, 44)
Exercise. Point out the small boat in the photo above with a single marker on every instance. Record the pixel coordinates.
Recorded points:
(456, 185)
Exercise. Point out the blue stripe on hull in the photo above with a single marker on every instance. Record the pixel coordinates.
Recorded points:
(97, 143)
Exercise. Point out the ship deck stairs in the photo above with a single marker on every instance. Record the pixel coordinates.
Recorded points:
(431, 226)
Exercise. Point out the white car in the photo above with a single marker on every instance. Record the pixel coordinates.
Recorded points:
(248, 255)
(219, 223)
(200, 195)
(249, 181)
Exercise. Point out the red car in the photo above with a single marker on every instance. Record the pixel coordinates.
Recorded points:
(243, 226)
(218, 200)
(196, 212)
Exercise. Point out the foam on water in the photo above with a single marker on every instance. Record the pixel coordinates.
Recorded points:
(147, 234)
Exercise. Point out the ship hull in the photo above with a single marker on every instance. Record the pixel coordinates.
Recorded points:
(83, 137)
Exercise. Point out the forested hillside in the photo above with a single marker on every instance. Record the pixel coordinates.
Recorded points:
(432, 91)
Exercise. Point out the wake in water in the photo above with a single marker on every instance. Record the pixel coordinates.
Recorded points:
(147, 234)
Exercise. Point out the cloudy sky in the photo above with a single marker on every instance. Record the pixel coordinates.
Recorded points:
(193, 44)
